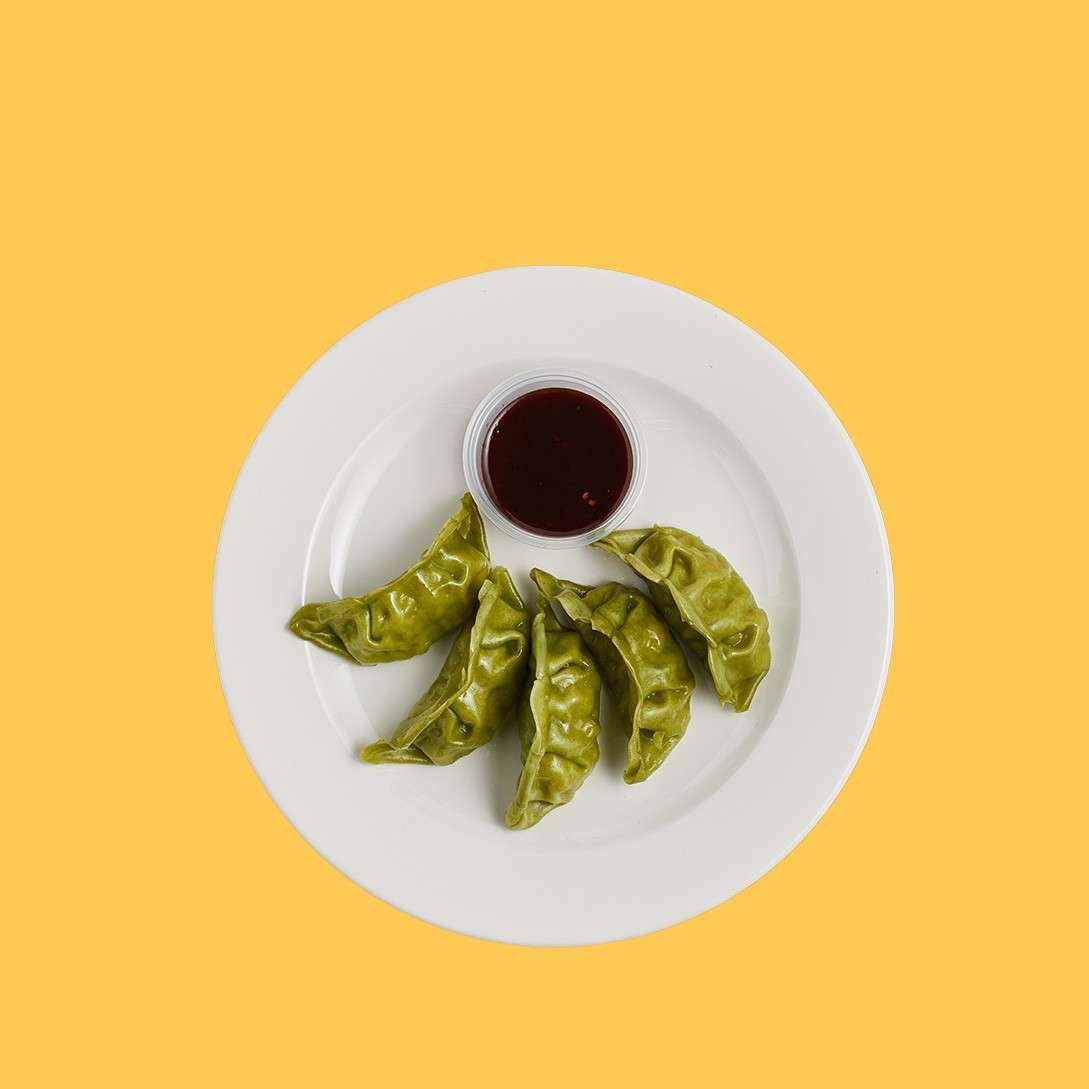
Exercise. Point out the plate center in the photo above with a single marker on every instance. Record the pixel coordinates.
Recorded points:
(404, 480)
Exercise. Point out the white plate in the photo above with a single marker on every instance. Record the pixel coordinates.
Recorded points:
(358, 467)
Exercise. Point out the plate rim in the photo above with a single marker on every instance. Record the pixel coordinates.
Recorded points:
(814, 395)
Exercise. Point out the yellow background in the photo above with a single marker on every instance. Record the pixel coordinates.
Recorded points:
(199, 198)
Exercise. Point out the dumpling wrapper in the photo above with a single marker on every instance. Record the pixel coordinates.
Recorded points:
(476, 692)
(437, 594)
(559, 722)
(643, 665)
(706, 603)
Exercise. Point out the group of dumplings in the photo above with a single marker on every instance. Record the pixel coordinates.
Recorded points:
(613, 632)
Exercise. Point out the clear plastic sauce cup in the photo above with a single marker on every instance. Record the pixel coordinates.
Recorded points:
(482, 423)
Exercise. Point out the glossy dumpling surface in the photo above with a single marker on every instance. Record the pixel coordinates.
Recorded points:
(706, 602)
(477, 690)
(437, 594)
(559, 721)
(643, 665)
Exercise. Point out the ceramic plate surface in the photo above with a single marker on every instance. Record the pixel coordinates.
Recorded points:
(361, 463)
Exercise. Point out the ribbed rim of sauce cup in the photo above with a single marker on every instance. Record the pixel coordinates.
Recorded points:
(480, 426)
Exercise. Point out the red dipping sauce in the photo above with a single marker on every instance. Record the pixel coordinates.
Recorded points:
(557, 462)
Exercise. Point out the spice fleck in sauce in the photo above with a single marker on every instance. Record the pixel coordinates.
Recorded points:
(557, 461)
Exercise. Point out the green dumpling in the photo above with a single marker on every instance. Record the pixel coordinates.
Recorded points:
(434, 596)
(559, 721)
(476, 692)
(643, 665)
(706, 603)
